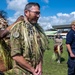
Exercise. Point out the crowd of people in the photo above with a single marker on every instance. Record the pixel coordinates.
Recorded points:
(24, 42)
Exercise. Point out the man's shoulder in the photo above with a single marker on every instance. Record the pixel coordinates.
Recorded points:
(17, 24)
(70, 32)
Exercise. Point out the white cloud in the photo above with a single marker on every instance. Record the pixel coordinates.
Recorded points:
(48, 22)
(60, 14)
(15, 16)
(17, 6)
(11, 20)
(44, 7)
(73, 13)
(59, 19)
(46, 1)
(45, 22)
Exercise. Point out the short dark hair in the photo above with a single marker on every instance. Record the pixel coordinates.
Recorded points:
(29, 5)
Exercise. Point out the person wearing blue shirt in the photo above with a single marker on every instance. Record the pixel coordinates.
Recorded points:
(70, 44)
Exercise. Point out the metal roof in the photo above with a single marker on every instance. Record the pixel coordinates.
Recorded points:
(62, 26)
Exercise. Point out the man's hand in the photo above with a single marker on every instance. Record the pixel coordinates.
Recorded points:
(38, 69)
(72, 55)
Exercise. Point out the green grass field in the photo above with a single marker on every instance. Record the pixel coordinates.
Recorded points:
(50, 66)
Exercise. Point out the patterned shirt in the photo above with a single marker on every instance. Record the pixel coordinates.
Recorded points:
(29, 41)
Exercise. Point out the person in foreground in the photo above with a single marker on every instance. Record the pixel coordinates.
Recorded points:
(28, 43)
(5, 58)
(70, 44)
(5, 62)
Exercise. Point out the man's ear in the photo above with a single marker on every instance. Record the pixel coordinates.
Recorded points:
(26, 13)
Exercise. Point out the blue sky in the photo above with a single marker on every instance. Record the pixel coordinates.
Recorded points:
(53, 12)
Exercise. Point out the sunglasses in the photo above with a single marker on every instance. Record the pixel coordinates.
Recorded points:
(36, 12)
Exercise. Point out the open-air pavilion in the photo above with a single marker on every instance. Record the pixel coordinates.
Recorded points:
(62, 28)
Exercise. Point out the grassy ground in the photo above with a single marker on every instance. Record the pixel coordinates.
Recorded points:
(50, 66)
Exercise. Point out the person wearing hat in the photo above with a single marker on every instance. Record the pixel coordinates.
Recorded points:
(70, 44)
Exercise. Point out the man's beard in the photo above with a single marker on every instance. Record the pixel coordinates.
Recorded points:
(32, 21)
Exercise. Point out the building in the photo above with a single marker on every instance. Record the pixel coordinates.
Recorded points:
(61, 29)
